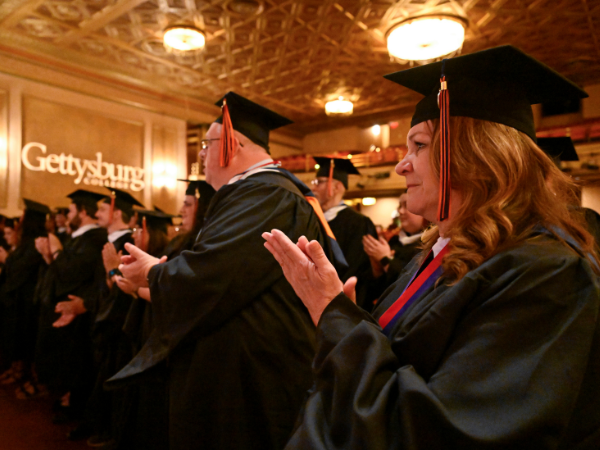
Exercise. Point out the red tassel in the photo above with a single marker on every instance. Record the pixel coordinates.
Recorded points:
(330, 179)
(444, 197)
(112, 208)
(227, 137)
(144, 234)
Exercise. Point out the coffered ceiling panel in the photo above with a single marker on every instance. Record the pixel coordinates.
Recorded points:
(292, 56)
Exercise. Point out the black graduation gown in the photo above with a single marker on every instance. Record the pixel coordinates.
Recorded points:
(349, 227)
(508, 357)
(63, 355)
(19, 318)
(112, 351)
(239, 342)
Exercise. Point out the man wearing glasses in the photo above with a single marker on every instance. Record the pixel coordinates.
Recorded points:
(237, 341)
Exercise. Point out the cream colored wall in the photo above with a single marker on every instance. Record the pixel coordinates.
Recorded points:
(381, 212)
(590, 198)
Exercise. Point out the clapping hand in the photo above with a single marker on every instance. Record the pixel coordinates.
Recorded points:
(308, 270)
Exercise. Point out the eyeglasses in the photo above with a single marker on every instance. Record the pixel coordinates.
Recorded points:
(204, 143)
(317, 182)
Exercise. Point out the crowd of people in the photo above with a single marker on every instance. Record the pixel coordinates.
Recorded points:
(279, 318)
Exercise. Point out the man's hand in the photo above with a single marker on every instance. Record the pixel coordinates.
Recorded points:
(376, 248)
(137, 264)
(110, 257)
(68, 311)
(126, 286)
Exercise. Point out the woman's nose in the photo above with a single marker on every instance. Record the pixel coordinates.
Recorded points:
(403, 167)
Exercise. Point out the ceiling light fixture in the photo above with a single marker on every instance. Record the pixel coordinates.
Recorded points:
(426, 38)
(339, 107)
(183, 38)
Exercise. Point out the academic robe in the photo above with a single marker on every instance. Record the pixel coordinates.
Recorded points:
(508, 357)
(19, 315)
(238, 341)
(112, 351)
(349, 227)
(63, 355)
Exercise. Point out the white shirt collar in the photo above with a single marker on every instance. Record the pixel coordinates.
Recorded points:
(266, 165)
(112, 237)
(407, 240)
(439, 245)
(332, 213)
(81, 230)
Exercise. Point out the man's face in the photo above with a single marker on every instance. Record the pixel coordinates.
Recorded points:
(103, 214)
(319, 188)
(210, 155)
(73, 217)
(188, 212)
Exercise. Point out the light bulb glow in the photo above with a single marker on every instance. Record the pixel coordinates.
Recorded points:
(339, 107)
(369, 201)
(376, 130)
(426, 38)
(184, 38)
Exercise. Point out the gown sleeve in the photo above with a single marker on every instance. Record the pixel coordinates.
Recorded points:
(496, 361)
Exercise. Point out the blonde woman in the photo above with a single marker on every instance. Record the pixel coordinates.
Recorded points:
(490, 338)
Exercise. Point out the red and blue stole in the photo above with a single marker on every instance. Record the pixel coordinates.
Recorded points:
(415, 289)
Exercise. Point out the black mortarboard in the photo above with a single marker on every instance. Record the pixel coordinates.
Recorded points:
(341, 168)
(83, 197)
(251, 119)
(498, 85)
(61, 210)
(124, 201)
(558, 148)
(198, 188)
(155, 219)
(36, 207)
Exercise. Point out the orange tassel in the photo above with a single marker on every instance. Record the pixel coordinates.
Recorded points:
(112, 208)
(330, 179)
(444, 195)
(144, 234)
(227, 137)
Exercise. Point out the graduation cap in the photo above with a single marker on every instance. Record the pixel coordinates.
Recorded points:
(251, 119)
(198, 188)
(336, 169)
(121, 200)
(497, 85)
(155, 219)
(558, 148)
(36, 207)
(61, 210)
(83, 197)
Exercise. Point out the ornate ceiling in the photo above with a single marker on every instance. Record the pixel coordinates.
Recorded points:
(290, 55)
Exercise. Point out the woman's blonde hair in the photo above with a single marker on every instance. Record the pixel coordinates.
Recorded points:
(508, 187)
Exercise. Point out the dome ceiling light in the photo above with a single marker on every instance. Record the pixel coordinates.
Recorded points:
(426, 38)
(339, 107)
(183, 38)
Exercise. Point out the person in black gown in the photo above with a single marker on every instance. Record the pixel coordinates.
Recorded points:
(17, 288)
(68, 295)
(388, 258)
(348, 226)
(490, 338)
(236, 339)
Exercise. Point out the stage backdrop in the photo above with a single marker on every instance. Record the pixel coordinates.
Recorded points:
(67, 148)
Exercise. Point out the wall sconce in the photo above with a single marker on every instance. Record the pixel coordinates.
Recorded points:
(376, 130)
(164, 175)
